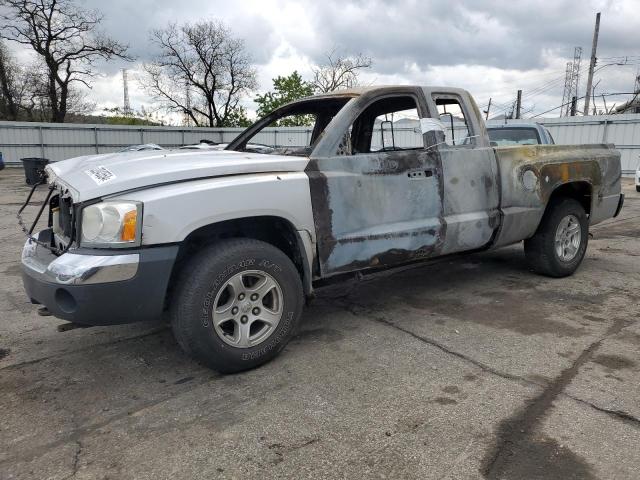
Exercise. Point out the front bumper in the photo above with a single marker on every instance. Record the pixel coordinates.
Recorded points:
(99, 287)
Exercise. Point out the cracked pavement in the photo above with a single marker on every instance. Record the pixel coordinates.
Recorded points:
(467, 368)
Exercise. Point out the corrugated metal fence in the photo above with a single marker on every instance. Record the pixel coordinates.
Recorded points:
(621, 130)
(60, 141)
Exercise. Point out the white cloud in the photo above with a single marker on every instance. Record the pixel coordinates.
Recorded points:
(490, 47)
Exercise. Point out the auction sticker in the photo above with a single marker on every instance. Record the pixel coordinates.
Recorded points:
(100, 174)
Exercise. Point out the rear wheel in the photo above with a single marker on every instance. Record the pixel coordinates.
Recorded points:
(637, 188)
(559, 245)
(237, 304)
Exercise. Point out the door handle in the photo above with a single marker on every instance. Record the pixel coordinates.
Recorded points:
(418, 174)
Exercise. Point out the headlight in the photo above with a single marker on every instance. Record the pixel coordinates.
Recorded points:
(111, 224)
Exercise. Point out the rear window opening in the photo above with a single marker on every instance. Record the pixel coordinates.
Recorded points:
(505, 136)
(455, 121)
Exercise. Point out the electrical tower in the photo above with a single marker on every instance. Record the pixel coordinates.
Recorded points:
(186, 119)
(635, 103)
(566, 95)
(577, 56)
(125, 84)
(571, 82)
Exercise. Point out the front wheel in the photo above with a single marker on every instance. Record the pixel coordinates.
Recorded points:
(237, 304)
(637, 188)
(559, 244)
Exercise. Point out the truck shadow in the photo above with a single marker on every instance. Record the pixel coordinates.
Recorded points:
(494, 289)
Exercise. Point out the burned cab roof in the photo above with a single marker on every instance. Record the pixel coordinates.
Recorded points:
(342, 96)
(358, 91)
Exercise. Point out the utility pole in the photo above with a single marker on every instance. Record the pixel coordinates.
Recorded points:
(489, 108)
(518, 103)
(574, 105)
(592, 65)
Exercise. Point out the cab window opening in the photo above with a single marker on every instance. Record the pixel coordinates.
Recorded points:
(386, 125)
(452, 115)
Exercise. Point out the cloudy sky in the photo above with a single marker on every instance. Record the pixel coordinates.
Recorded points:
(490, 47)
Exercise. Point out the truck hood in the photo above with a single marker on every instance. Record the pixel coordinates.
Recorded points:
(96, 176)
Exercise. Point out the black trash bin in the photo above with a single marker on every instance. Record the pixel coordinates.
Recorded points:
(34, 169)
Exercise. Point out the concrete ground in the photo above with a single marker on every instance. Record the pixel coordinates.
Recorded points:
(465, 369)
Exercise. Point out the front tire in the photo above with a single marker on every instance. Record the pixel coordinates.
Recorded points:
(237, 304)
(637, 188)
(560, 243)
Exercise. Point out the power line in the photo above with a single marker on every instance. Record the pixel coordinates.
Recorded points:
(528, 95)
(567, 101)
(580, 98)
(509, 106)
(526, 88)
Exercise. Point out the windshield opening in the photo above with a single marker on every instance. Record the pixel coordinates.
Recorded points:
(290, 130)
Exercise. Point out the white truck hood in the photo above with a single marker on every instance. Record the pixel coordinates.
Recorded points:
(96, 176)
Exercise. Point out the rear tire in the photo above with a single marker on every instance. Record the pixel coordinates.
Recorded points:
(560, 243)
(236, 305)
(637, 188)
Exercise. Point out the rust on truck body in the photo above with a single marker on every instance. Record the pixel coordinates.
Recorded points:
(368, 214)
(529, 175)
(374, 209)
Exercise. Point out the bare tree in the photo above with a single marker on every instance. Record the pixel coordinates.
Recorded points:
(201, 71)
(339, 72)
(65, 37)
(8, 85)
(22, 91)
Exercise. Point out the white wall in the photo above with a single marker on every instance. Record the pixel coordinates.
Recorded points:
(60, 141)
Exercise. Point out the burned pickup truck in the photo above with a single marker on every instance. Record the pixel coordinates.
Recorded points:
(227, 244)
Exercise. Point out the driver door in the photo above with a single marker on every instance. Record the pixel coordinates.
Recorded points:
(376, 190)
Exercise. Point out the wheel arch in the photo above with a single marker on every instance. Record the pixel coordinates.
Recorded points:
(579, 190)
(274, 230)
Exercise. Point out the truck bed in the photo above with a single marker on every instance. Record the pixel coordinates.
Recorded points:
(529, 175)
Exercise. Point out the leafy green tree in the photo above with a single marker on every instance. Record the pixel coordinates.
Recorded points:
(237, 117)
(285, 90)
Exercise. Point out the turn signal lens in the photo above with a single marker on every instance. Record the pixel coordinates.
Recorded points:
(129, 226)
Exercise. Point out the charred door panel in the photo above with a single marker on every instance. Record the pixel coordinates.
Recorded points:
(471, 197)
(376, 209)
